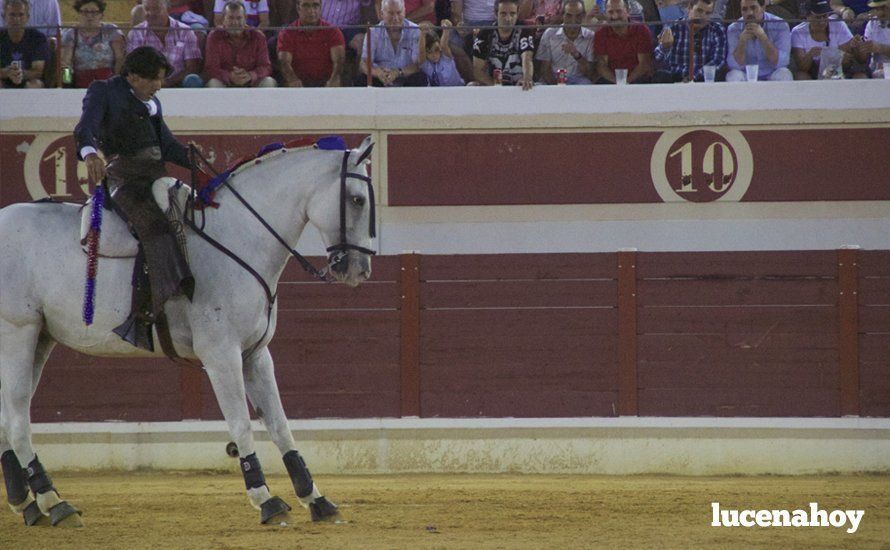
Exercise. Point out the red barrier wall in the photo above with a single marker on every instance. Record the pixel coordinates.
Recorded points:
(538, 335)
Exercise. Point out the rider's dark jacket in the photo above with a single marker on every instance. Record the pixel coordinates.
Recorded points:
(116, 122)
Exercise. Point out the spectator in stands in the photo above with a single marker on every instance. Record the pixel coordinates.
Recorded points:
(623, 45)
(43, 15)
(236, 55)
(506, 52)
(708, 37)
(93, 50)
(854, 12)
(395, 50)
(541, 12)
(819, 31)
(436, 60)
(177, 41)
(876, 41)
(311, 57)
(23, 51)
(256, 13)
(758, 38)
(569, 47)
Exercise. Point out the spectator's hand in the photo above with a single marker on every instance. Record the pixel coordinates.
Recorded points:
(296, 83)
(16, 74)
(569, 47)
(425, 27)
(239, 76)
(526, 83)
(446, 29)
(666, 39)
(814, 52)
(595, 12)
(95, 168)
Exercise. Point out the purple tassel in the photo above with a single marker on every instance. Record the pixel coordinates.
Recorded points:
(89, 297)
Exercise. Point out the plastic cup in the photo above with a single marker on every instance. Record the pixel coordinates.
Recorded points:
(710, 73)
(751, 72)
(886, 71)
(621, 76)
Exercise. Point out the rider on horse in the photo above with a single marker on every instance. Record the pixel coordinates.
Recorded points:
(122, 118)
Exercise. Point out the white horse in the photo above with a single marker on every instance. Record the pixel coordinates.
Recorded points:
(227, 325)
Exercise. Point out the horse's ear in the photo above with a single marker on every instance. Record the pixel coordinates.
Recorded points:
(363, 151)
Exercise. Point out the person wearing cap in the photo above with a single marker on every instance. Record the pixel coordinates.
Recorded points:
(876, 41)
(821, 31)
(758, 38)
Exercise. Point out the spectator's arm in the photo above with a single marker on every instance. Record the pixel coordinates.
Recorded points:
(783, 47)
(736, 46)
(287, 71)
(421, 45)
(644, 68)
(263, 67)
(803, 59)
(264, 20)
(481, 72)
(603, 70)
(36, 70)
(212, 63)
(772, 53)
(528, 69)
(66, 55)
(457, 11)
(587, 67)
(718, 56)
(119, 48)
(338, 55)
(444, 39)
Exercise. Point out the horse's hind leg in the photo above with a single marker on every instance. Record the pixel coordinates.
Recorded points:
(25, 351)
(228, 384)
(262, 390)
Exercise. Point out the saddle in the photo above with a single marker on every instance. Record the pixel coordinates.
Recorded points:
(118, 240)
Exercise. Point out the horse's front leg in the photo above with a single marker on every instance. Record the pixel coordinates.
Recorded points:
(224, 371)
(262, 389)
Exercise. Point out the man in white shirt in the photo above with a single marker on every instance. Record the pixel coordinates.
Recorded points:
(568, 48)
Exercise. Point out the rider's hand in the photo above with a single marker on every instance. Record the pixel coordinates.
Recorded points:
(95, 168)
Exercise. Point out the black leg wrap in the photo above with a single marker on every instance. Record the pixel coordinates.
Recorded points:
(272, 508)
(38, 478)
(299, 473)
(32, 514)
(61, 511)
(253, 472)
(322, 509)
(14, 477)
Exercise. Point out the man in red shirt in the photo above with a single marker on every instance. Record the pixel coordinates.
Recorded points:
(622, 45)
(311, 57)
(236, 55)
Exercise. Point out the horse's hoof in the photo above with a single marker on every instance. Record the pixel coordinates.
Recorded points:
(323, 509)
(65, 515)
(33, 515)
(274, 511)
(232, 449)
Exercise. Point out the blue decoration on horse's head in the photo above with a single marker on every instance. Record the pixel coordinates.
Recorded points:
(269, 147)
(331, 143)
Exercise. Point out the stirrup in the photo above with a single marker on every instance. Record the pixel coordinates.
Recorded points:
(137, 332)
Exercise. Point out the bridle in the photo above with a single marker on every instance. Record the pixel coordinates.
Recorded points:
(336, 253)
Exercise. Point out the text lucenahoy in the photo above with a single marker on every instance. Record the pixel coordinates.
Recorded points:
(814, 517)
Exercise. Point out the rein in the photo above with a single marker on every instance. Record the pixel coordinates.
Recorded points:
(336, 252)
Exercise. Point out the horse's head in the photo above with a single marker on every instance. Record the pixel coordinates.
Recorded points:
(344, 216)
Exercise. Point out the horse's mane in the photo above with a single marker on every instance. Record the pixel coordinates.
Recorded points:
(266, 153)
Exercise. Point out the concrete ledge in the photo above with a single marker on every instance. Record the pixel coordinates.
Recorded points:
(680, 446)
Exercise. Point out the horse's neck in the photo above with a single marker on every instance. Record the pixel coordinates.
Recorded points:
(271, 191)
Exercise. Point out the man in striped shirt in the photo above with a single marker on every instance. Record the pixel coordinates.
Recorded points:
(672, 55)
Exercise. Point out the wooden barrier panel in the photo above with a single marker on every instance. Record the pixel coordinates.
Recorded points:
(545, 335)
(874, 332)
(738, 334)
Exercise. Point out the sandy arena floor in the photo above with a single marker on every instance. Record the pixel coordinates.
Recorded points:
(198, 510)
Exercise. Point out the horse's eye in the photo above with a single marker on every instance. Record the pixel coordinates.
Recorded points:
(358, 200)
